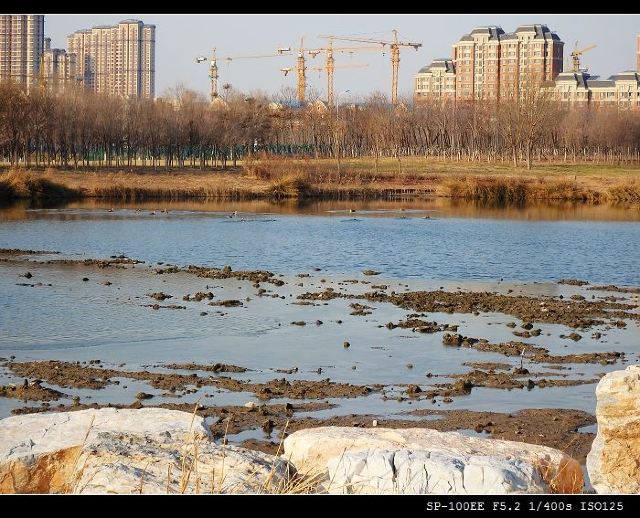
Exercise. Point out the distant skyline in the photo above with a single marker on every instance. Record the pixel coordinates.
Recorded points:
(181, 38)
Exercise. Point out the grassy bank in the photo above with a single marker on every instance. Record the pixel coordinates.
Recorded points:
(357, 179)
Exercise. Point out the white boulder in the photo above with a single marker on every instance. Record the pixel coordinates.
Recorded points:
(150, 450)
(418, 460)
(613, 463)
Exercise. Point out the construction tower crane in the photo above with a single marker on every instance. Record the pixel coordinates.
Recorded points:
(329, 67)
(213, 68)
(395, 55)
(575, 55)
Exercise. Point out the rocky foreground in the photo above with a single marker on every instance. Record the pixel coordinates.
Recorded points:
(153, 450)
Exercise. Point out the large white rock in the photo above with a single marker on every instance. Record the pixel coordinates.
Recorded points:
(427, 472)
(110, 450)
(613, 463)
(418, 460)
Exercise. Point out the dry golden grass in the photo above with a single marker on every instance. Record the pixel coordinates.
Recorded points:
(518, 190)
(278, 178)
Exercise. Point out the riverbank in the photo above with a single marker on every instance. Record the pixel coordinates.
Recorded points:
(319, 179)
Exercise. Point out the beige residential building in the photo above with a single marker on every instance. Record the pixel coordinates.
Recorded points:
(59, 67)
(476, 59)
(116, 60)
(21, 47)
(436, 82)
(489, 64)
(528, 57)
(580, 89)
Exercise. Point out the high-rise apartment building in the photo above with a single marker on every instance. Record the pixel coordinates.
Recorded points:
(529, 56)
(489, 64)
(116, 60)
(476, 58)
(59, 67)
(21, 48)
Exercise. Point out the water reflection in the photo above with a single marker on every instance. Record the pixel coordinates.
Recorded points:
(434, 207)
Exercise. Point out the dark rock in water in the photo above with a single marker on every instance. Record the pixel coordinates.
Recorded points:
(527, 326)
(572, 282)
(203, 313)
(409, 365)
(231, 303)
(299, 323)
(463, 386)
(596, 335)
(85, 279)
(511, 324)
(370, 272)
(458, 340)
(28, 275)
(319, 322)
(346, 345)
(447, 400)
(521, 371)
(267, 426)
(577, 297)
(413, 389)
(136, 404)
(575, 337)
(530, 384)
(452, 339)
(143, 395)
(159, 296)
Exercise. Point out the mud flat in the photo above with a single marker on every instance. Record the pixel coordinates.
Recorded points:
(367, 355)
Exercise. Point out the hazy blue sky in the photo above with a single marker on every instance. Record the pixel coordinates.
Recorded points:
(180, 38)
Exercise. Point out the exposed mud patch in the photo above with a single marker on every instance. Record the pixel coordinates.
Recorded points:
(30, 392)
(19, 251)
(74, 375)
(529, 309)
(612, 287)
(216, 367)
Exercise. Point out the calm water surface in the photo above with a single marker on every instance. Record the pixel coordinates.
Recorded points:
(457, 242)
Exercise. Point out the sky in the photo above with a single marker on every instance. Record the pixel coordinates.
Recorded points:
(181, 38)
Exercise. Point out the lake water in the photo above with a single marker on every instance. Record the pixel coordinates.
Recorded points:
(457, 242)
(415, 245)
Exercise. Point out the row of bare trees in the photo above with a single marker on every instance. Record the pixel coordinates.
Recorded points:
(80, 130)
